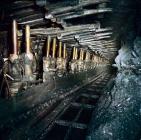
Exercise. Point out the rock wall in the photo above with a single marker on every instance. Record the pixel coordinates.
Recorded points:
(118, 116)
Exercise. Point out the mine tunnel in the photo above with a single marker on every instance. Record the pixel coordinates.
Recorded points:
(70, 70)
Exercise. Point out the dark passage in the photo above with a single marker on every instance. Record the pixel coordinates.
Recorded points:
(70, 70)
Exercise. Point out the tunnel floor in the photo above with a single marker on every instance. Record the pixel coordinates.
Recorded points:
(61, 107)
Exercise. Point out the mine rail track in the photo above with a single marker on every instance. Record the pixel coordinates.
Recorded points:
(73, 115)
(65, 119)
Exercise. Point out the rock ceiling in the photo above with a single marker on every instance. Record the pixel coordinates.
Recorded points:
(80, 23)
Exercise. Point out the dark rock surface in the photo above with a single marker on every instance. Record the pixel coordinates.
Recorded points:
(118, 116)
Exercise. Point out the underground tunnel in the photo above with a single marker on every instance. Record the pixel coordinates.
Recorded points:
(70, 70)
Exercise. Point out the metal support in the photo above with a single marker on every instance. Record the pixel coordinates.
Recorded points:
(60, 49)
(15, 66)
(48, 46)
(54, 48)
(28, 58)
(73, 55)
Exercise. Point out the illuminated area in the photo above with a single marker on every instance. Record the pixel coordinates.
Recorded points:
(70, 70)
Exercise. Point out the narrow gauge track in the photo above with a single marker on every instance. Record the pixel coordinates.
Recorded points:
(67, 118)
(74, 113)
